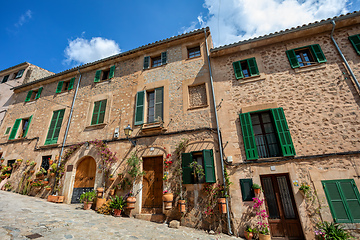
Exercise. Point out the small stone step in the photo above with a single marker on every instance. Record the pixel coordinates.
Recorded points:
(159, 218)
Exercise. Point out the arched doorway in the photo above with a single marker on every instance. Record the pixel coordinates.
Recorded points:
(84, 178)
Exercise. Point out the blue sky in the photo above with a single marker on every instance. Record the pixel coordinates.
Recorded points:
(58, 35)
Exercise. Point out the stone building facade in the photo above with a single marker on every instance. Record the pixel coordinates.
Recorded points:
(14, 76)
(289, 115)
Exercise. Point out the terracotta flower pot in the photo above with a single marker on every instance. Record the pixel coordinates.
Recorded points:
(32, 171)
(112, 192)
(222, 205)
(182, 206)
(248, 235)
(264, 237)
(51, 162)
(3, 177)
(2, 160)
(130, 202)
(48, 189)
(167, 199)
(99, 203)
(52, 174)
(45, 182)
(99, 192)
(257, 191)
(87, 205)
(117, 212)
(112, 179)
(56, 158)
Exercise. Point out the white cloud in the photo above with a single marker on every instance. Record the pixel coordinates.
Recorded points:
(81, 50)
(24, 18)
(235, 20)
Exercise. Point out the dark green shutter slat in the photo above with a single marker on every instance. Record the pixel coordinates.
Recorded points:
(248, 137)
(52, 127)
(209, 166)
(237, 70)
(163, 58)
(97, 76)
(15, 128)
(286, 144)
(139, 110)
(355, 41)
(71, 84)
(159, 99)
(27, 128)
(38, 93)
(28, 96)
(112, 72)
(319, 55)
(7, 130)
(254, 71)
(246, 189)
(186, 159)
(101, 112)
(96, 111)
(55, 126)
(20, 73)
(351, 197)
(292, 58)
(59, 87)
(146, 62)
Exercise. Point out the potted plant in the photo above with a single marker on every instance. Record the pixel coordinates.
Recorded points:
(117, 204)
(40, 173)
(19, 161)
(130, 201)
(2, 160)
(325, 230)
(51, 162)
(46, 181)
(257, 189)
(27, 162)
(263, 226)
(47, 188)
(167, 199)
(37, 186)
(87, 198)
(32, 164)
(111, 178)
(53, 169)
(8, 187)
(305, 189)
(249, 233)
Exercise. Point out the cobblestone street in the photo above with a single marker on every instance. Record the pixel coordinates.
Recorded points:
(21, 216)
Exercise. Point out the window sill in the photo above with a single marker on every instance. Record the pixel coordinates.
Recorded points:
(49, 146)
(96, 126)
(193, 58)
(17, 139)
(251, 79)
(197, 107)
(63, 93)
(149, 68)
(310, 68)
(150, 128)
(104, 81)
(30, 102)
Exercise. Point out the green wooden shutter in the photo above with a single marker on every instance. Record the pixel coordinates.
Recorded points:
(186, 159)
(97, 76)
(55, 126)
(27, 128)
(209, 166)
(163, 58)
(139, 109)
(237, 70)
(292, 58)
(38, 93)
(355, 41)
(159, 99)
(286, 144)
(254, 71)
(15, 128)
(59, 87)
(112, 72)
(352, 198)
(146, 62)
(335, 201)
(71, 84)
(246, 189)
(318, 53)
(99, 112)
(20, 73)
(248, 137)
(28, 96)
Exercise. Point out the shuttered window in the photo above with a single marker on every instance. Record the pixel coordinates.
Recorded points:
(154, 108)
(38, 93)
(65, 85)
(155, 61)
(71, 83)
(112, 72)
(99, 112)
(355, 41)
(59, 87)
(97, 76)
(305, 56)
(15, 129)
(5, 78)
(246, 189)
(245, 68)
(20, 73)
(55, 126)
(265, 133)
(28, 96)
(139, 108)
(207, 164)
(343, 199)
(25, 125)
(26, 128)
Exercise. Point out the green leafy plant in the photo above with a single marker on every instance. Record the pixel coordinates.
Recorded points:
(117, 203)
(249, 229)
(198, 170)
(305, 188)
(88, 196)
(134, 164)
(53, 168)
(41, 172)
(256, 186)
(32, 163)
(329, 231)
(37, 184)
(8, 186)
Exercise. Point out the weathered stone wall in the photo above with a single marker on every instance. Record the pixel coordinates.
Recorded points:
(35, 73)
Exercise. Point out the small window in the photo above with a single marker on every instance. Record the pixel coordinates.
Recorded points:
(245, 68)
(7, 130)
(23, 124)
(155, 61)
(33, 95)
(45, 162)
(194, 52)
(103, 75)
(344, 200)
(305, 56)
(203, 159)
(99, 112)
(64, 86)
(197, 96)
(5, 78)
(355, 41)
(19, 73)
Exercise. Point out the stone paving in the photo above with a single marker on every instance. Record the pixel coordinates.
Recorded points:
(21, 216)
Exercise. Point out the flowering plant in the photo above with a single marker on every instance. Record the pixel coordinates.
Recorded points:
(305, 188)
(165, 191)
(263, 226)
(326, 231)
(165, 177)
(167, 161)
(209, 210)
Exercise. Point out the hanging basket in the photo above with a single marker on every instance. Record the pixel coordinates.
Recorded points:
(182, 206)
(168, 199)
(130, 202)
(222, 205)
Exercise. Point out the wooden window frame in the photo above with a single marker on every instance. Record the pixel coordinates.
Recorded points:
(194, 52)
(15, 133)
(19, 74)
(98, 112)
(155, 61)
(65, 86)
(315, 51)
(144, 106)
(250, 66)
(58, 123)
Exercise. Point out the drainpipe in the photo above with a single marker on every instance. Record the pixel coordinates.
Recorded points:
(69, 120)
(218, 133)
(343, 57)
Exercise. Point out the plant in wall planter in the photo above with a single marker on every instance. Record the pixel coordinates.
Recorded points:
(111, 178)
(8, 187)
(87, 198)
(305, 190)
(40, 174)
(130, 201)
(19, 161)
(257, 189)
(167, 198)
(2, 160)
(46, 181)
(117, 204)
(47, 188)
(32, 164)
(53, 168)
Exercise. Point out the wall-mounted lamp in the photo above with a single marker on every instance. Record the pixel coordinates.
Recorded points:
(128, 130)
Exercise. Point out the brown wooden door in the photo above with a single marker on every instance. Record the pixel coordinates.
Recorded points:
(84, 178)
(280, 205)
(152, 185)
